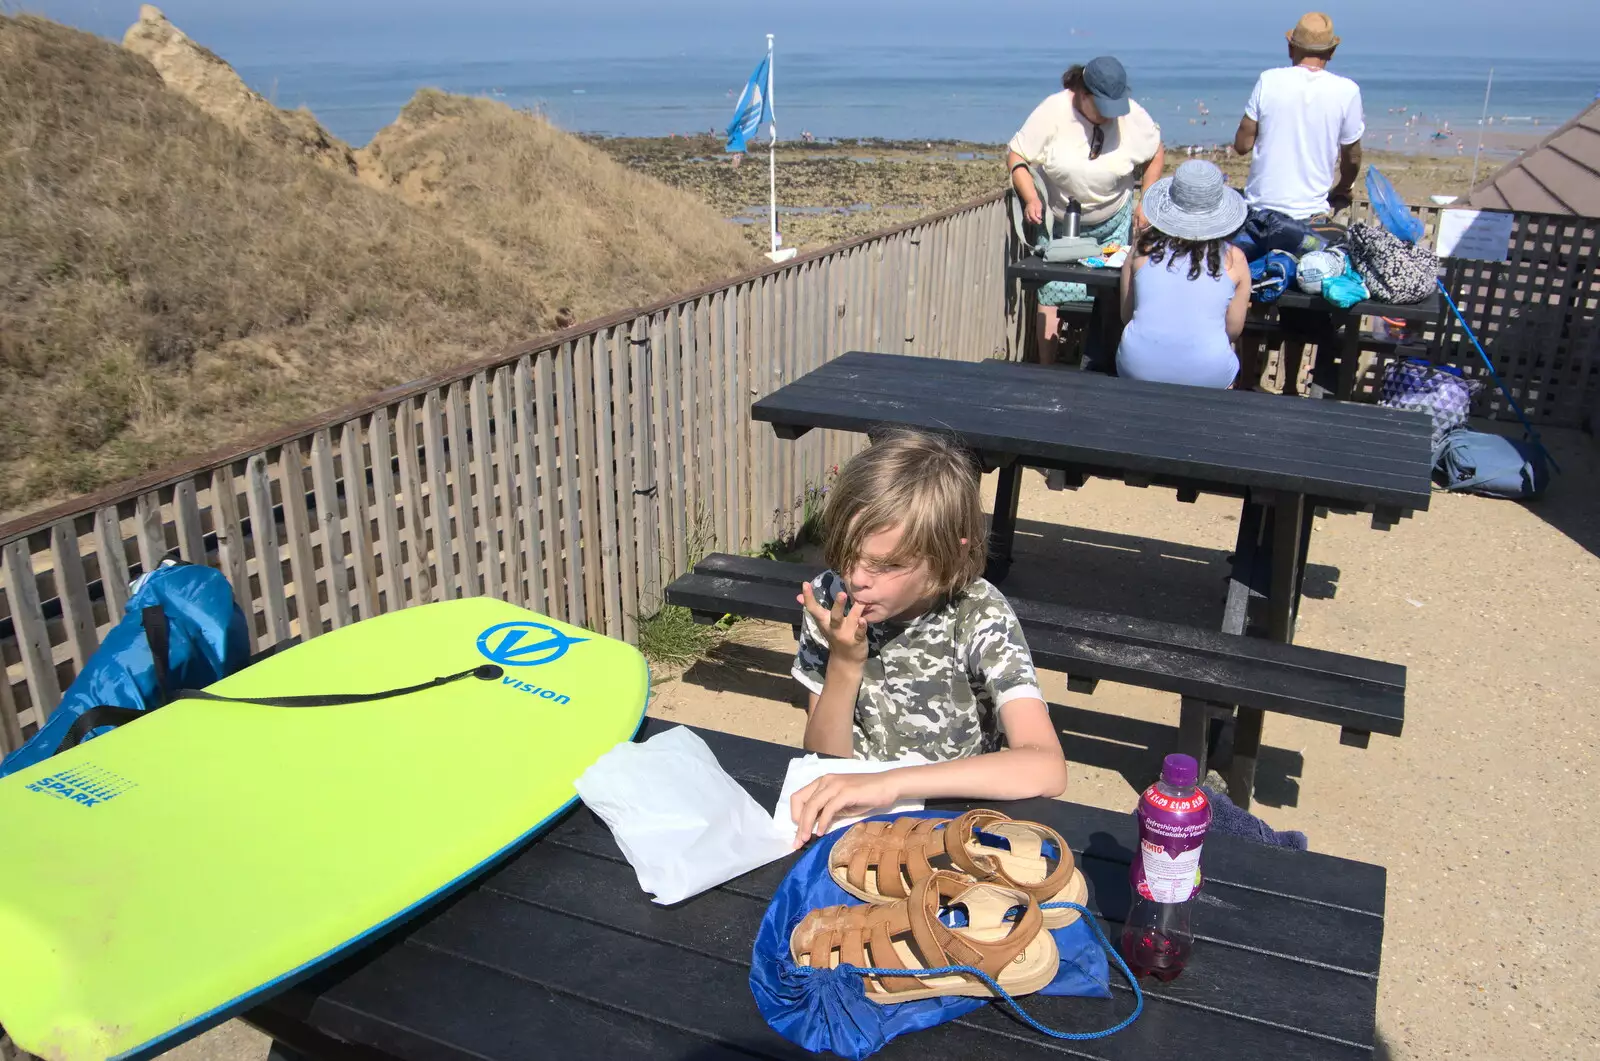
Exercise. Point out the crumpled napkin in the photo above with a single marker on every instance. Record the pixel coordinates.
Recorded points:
(683, 824)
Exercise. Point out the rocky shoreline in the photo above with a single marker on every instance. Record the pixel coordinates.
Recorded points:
(834, 190)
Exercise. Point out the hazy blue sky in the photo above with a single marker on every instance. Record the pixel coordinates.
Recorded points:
(490, 28)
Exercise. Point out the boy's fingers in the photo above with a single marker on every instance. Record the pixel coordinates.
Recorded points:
(830, 810)
(797, 811)
(802, 808)
(814, 608)
(838, 607)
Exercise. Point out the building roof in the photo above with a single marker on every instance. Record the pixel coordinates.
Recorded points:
(1559, 175)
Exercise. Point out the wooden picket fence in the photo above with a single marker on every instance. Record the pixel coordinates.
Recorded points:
(579, 472)
(573, 475)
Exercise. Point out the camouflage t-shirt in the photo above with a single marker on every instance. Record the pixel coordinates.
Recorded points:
(933, 686)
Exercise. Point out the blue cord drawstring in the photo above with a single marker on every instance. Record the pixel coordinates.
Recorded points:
(1527, 426)
(1005, 996)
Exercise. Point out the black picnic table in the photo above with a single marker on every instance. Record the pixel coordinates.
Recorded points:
(1287, 459)
(557, 953)
(1104, 285)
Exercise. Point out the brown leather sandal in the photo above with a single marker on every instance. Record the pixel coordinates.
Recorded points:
(908, 934)
(881, 862)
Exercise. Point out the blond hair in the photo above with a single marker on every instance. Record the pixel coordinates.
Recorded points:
(924, 483)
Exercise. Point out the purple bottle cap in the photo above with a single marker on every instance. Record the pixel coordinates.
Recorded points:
(1179, 771)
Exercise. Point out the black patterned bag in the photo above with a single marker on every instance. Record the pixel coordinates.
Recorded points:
(1394, 271)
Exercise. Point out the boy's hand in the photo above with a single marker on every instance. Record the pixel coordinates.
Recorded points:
(832, 796)
(846, 632)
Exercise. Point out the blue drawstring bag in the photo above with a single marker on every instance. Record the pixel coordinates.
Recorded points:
(181, 630)
(827, 1009)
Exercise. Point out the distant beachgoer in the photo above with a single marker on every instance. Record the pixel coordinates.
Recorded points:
(1301, 122)
(1186, 289)
(1090, 143)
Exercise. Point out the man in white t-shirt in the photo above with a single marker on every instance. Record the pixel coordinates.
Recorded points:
(1303, 122)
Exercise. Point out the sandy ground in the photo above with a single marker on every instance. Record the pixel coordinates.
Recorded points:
(1476, 811)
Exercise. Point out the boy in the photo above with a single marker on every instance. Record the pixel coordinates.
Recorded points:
(908, 652)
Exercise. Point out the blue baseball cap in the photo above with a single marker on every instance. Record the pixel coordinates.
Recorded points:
(1107, 82)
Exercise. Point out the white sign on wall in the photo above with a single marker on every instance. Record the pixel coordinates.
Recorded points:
(1483, 235)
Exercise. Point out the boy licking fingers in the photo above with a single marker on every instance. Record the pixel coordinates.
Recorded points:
(908, 654)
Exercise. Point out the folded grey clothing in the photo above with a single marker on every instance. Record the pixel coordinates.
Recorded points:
(1229, 819)
(1071, 250)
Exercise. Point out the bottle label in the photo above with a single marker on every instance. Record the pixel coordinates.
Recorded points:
(1172, 832)
(1169, 878)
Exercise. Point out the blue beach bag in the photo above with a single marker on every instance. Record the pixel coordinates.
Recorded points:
(827, 1009)
(181, 630)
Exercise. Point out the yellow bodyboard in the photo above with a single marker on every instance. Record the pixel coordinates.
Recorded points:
(156, 879)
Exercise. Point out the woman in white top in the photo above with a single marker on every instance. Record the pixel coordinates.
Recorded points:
(1186, 289)
(1091, 143)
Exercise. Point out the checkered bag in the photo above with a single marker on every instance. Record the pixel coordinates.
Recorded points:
(1441, 392)
(1394, 271)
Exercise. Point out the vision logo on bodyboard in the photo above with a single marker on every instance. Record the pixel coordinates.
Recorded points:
(525, 644)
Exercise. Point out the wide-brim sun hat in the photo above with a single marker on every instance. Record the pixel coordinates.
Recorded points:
(1195, 203)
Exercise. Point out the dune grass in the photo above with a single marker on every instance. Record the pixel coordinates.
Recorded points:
(168, 284)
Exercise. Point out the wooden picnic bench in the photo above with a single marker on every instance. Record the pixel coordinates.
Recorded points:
(1288, 460)
(1345, 324)
(1358, 695)
(557, 953)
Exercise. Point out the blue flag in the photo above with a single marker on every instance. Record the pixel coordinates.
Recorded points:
(755, 107)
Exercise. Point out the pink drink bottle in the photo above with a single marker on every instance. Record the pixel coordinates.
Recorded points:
(1173, 818)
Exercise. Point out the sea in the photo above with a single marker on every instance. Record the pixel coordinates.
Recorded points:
(922, 71)
(972, 94)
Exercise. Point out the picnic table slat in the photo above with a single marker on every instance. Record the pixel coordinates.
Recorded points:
(1352, 415)
(1027, 385)
(1228, 421)
(1250, 458)
(1057, 424)
(1132, 408)
(557, 953)
(573, 904)
(1337, 932)
(512, 1019)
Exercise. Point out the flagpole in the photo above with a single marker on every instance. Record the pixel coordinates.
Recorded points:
(1482, 121)
(772, 159)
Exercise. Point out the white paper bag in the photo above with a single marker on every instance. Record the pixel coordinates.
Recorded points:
(804, 771)
(684, 825)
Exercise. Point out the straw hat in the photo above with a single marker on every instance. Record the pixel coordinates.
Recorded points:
(1195, 203)
(1313, 33)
